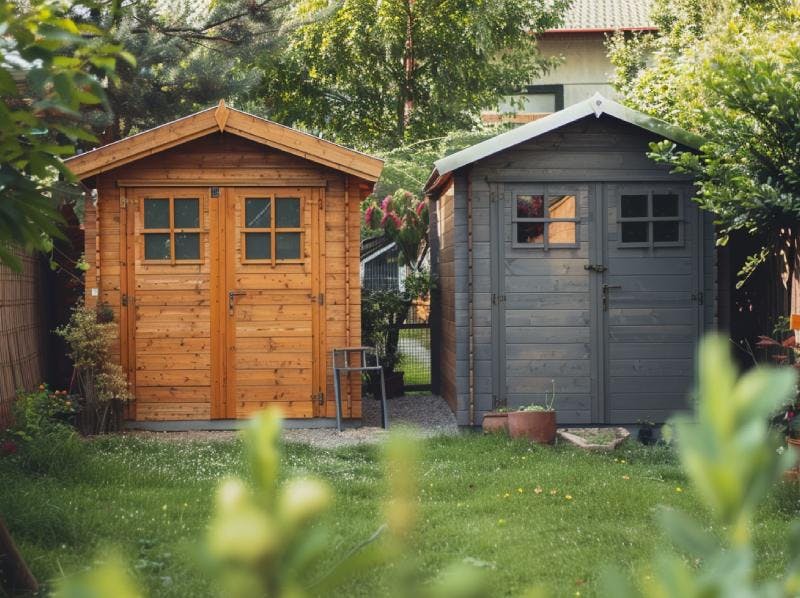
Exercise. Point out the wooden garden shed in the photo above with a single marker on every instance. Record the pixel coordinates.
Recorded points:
(228, 247)
(566, 260)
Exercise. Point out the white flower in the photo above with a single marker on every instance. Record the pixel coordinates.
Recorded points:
(780, 450)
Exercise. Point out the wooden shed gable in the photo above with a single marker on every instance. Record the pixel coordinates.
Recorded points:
(224, 119)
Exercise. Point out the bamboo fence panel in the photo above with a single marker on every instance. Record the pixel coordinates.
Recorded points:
(21, 333)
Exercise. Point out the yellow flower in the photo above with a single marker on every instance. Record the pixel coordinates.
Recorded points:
(626, 477)
(622, 461)
(538, 490)
(678, 489)
(554, 492)
(568, 497)
(519, 490)
(506, 495)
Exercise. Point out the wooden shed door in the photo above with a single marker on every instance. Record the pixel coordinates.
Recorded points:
(651, 295)
(271, 300)
(225, 301)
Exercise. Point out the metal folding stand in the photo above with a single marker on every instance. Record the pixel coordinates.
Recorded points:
(341, 363)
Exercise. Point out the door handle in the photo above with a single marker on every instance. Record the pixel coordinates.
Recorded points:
(232, 300)
(606, 288)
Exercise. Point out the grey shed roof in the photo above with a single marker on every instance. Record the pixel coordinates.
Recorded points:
(607, 15)
(597, 105)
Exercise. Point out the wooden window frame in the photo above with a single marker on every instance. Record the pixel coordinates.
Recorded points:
(651, 243)
(545, 245)
(273, 230)
(172, 231)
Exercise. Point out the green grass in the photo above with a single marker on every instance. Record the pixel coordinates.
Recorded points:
(152, 499)
(416, 369)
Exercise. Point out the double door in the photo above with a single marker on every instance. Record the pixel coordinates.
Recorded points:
(597, 297)
(222, 300)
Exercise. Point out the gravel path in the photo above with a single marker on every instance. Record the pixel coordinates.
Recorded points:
(426, 415)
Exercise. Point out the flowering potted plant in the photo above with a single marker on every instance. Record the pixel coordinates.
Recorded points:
(496, 420)
(535, 422)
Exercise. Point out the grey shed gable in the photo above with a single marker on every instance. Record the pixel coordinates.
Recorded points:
(565, 257)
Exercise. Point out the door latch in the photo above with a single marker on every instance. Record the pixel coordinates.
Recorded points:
(232, 300)
(595, 268)
(606, 288)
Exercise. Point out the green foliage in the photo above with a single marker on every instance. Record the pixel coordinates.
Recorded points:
(189, 55)
(45, 441)
(731, 456)
(728, 71)
(51, 67)
(89, 334)
(377, 74)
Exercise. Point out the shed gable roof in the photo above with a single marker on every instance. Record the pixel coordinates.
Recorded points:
(597, 105)
(228, 120)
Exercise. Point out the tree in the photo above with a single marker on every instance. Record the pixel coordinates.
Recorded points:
(730, 73)
(51, 68)
(377, 74)
(188, 57)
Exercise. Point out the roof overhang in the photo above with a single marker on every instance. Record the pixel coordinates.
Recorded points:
(604, 30)
(597, 105)
(222, 118)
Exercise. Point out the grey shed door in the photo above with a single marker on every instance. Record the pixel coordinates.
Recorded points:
(652, 317)
(596, 293)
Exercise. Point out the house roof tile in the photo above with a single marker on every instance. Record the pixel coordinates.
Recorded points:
(607, 15)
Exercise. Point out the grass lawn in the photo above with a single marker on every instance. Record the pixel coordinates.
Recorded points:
(415, 361)
(477, 501)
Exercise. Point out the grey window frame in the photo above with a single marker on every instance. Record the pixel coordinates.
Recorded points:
(650, 219)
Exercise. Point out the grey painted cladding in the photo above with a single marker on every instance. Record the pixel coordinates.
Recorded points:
(538, 314)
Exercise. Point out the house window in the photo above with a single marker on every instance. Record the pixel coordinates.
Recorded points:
(651, 220)
(272, 229)
(545, 220)
(172, 229)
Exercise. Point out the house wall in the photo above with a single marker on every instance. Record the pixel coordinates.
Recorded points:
(585, 69)
(215, 159)
(589, 151)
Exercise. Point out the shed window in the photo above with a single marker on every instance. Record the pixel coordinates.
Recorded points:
(545, 220)
(172, 229)
(272, 229)
(650, 220)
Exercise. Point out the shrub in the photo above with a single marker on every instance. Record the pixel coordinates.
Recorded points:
(41, 437)
(101, 384)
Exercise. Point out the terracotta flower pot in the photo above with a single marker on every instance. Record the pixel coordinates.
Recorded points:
(494, 422)
(794, 445)
(537, 426)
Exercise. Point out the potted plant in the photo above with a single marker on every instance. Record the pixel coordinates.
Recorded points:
(535, 422)
(646, 434)
(496, 421)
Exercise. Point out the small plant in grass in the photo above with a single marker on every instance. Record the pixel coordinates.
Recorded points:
(41, 437)
(98, 380)
(731, 455)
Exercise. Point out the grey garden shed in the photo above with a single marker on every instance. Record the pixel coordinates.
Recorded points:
(568, 260)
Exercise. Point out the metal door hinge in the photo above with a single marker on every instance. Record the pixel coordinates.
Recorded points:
(698, 297)
(319, 397)
(320, 299)
(595, 268)
(498, 299)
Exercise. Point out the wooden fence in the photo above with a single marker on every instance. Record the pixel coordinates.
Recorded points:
(21, 332)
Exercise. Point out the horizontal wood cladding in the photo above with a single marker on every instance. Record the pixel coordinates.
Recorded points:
(167, 325)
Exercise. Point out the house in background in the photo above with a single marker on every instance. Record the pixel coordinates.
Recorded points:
(585, 69)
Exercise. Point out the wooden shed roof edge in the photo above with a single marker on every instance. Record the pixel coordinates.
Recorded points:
(597, 105)
(225, 119)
